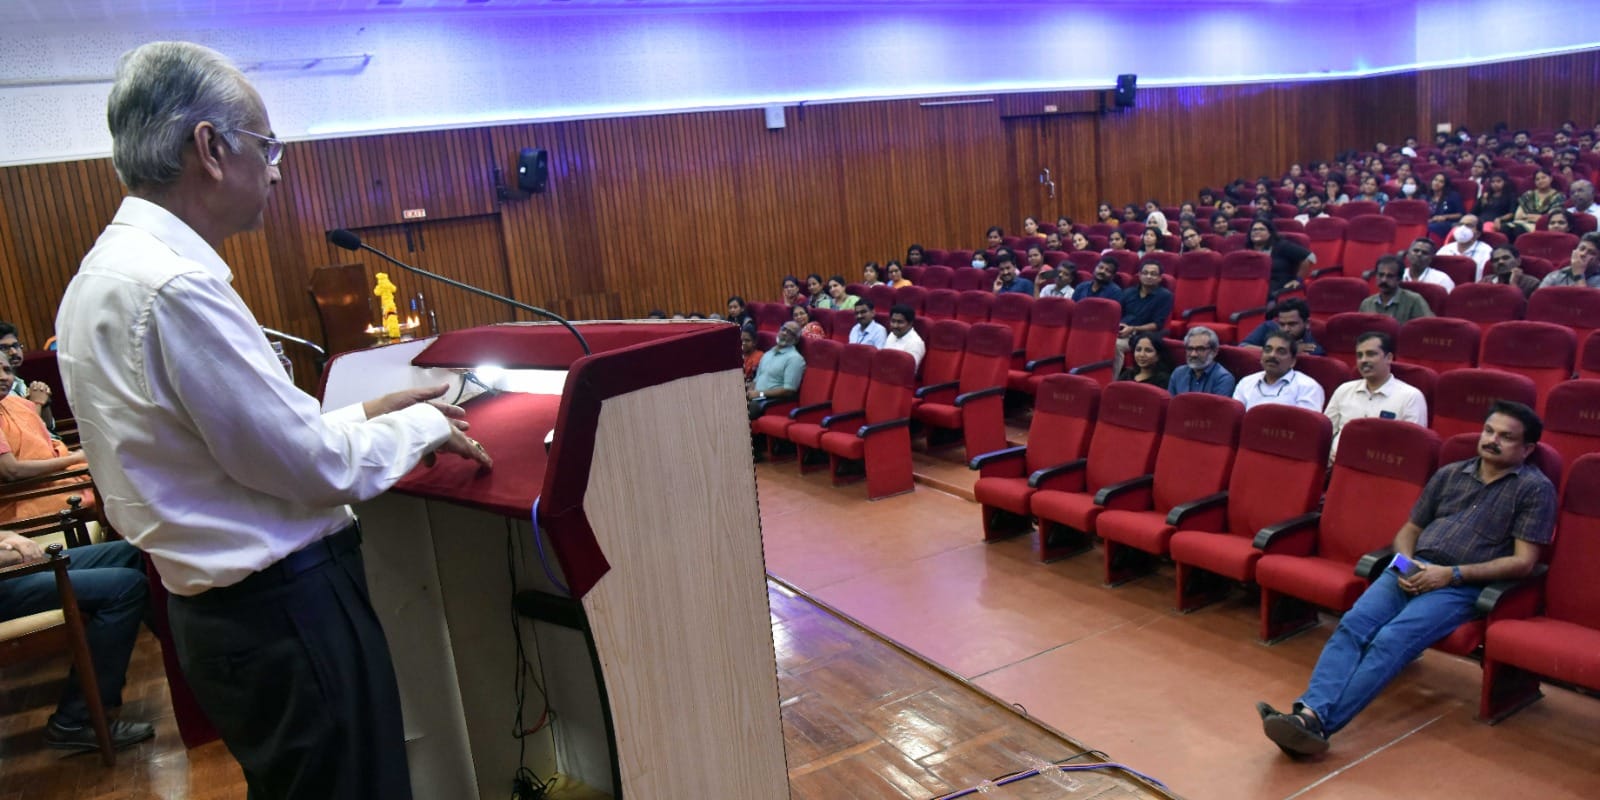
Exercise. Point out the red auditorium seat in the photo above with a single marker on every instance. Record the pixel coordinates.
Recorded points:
(1327, 240)
(1549, 245)
(1092, 339)
(1589, 366)
(1533, 265)
(1168, 261)
(1340, 335)
(935, 277)
(1194, 291)
(1368, 237)
(1572, 419)
(1328, 372)
(1123, 445)
(974, 306)
(1193, 461)
(1127, 265)
(882, 296)
(1382, 466)
(1241, 293)
(1577, 307)
(1277, 475)
(1335, 295)
(1044, 353)
(1436, 296)
(1239, 361)
(1462, 270)
(976, 410)
(941, 304)
(1063, 416)
(877, 440)
(1439, 343)
(1423, 379)
(1542, 351)
(958, 259)
(1083, 262)
(840, 321)
(1463, 397)
(1487, 303)
(1232, 244)
(972, 280)
(1410, 221)
(946, 344)
(1013, 310)
(849, 394)
(914, 296)
(1562, 642)
(1356, 208)
(810, 403)
(1132, 230)
(771, 316)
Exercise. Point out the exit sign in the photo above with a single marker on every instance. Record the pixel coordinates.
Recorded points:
(1051, 109)
(414, 213)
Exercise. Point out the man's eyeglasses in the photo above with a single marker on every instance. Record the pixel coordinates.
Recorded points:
(14, 346)
(274, 146)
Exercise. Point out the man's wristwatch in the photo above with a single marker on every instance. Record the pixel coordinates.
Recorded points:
(761, 395)
(1455, 576)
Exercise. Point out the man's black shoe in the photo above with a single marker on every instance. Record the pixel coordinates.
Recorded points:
(81, 738)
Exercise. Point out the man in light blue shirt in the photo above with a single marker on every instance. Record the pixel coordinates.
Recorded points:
(779, 373)
(1203, 373)
(867, 330)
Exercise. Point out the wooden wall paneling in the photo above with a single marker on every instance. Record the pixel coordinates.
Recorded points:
(1025, 157)
(1532, 93)
(1069, 145)
(974, 176)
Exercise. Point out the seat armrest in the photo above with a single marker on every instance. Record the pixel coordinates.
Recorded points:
(23, 484)
(1115, 490)
(1248, 312)
(1182, 511)
(827, 422)
(1277, 532)
(1041, 475)
(1189, 312)
(1018, 353)
(795, 413)
(54, 559)
(984, 459)
(963, 399)
(1374, 563)
(924, 391)
(1333, 270)
(1518, 598)
(886, 425)
(1092, 366)
(1044, 362)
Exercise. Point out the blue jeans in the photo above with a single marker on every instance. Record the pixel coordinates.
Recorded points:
(1377, 638)
(108, 580)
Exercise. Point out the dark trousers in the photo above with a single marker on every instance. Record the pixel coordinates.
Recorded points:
(292, 667)
(108, 580)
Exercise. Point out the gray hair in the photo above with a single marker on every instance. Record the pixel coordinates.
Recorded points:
(1580, 184)
(1214, 341)
(162, 91)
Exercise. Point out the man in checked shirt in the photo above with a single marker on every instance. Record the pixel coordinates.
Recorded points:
(1480, 520)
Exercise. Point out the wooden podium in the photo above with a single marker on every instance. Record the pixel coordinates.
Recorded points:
(657, 653)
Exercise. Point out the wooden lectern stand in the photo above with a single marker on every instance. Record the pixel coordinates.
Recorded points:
(658, 659)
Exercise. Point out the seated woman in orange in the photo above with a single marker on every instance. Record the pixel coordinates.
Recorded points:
(809, 328)
(28, 451)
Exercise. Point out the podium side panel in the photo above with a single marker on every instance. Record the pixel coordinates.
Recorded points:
(397, 546)
(681, 620)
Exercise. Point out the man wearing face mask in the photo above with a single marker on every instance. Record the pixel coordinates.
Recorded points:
(1465, 242)
(1419, 260)
(1506, 267)
(1402, 304)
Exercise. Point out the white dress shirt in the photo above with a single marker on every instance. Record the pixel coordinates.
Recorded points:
(1395, 399)
(207, 457)
(910, 343)
(1478, 251)
(1294, 388)
(1430, 275)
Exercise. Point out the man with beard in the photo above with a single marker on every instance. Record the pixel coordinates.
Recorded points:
(1481, 520)
(1279, 382)
(1377, 393)
(1402, 304)
(1506, 267)
(1419, 265)
(1203, 373)
(1103, 284)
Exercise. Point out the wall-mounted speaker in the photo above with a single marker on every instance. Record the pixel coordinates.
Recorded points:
(1127, 85)
(533, 169)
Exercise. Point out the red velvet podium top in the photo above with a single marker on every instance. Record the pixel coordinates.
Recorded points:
(627, 356)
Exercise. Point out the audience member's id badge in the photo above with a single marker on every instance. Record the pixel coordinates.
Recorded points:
(1386, 415)
(1405, 566)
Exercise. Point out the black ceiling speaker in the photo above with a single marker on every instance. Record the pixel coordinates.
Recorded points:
(1126, 86)
(533, 169)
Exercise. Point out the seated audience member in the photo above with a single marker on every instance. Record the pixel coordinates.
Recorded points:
(1278, 381)
(1535, 203)
(1080, 241)
(916, 256)
(1402, 304)
(1497, 201)
(792, 296)
(1558, 221)
(1063, 225)
(809, 328)
(1370, 193)
(1584, 269)
(903, 335)
(1052, 242)
(779, 373)
(1478, 521)
(994, 238)
(1581, 194)
(1145, 306)
(1030, 229)
(817, 292)
(1464, 241)
(752, 356)
(1291, 263)
(1103, 284)
(1311, 209)
(872, 274)
(1290, 317)
(1150, 361)
(1333, 191)
(37, 391)
(867, 330)
(1377, 393)
(1130, 213)
(1220, 226)
(980, 260)
(28, 451)
(1035, 256)
(1060, 284)
(1150, 241)
(1419, 265)
(1008, 281)
(1505, 266)
(1262, 206)
(1201, 372)
(896, 274)
(1154, 217)
(108, 582)
(1207, 196)
(1191, 241)
(1444, 205)
(1104, 215)
(739, 313)
(1116, 240)
(840, 299)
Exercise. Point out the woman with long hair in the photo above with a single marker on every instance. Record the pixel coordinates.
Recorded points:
(1151, 363)
(1444, 205)
(1497, 202)
(1291, 263)
(809, 328)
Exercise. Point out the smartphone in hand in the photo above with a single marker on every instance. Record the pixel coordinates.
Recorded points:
(1405, 566)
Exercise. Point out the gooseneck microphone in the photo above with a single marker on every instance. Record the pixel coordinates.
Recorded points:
(350, 241)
